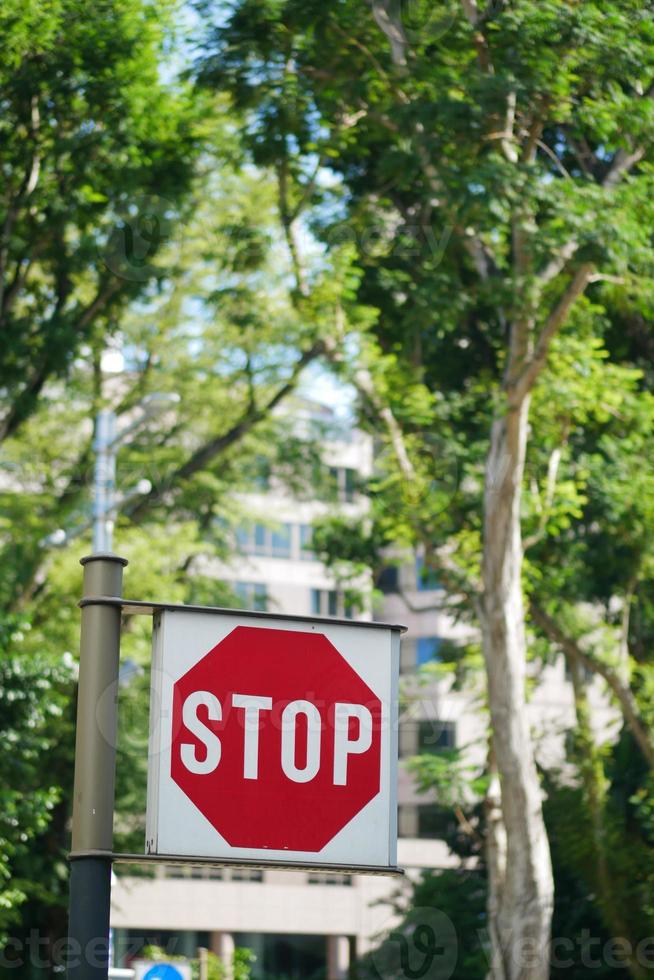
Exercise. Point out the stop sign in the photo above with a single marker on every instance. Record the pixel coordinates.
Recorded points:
(276, 738)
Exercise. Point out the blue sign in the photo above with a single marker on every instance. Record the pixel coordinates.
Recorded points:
(163, 971)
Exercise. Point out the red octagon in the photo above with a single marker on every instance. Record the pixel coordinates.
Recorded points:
(272, 810)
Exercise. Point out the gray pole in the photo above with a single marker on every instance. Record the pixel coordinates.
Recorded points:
(105, 446)
(95, 766)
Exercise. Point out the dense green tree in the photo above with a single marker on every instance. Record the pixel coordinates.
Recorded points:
(32, 718)
(96, 154)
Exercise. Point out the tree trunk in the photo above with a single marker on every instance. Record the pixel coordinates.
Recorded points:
(520, 907)
(495, 862)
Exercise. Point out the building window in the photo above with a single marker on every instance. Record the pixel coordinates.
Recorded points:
(260, 539)
(243, 539)
(246, 874)
(426, 580)
(281, 542)
(407, 820)
(210, 873)
(427, 648)
(435, 822)
(330, 602)
(251, 595)
(320, 878)
(264, 541)
(388, 580)
(586, 674)
(262, 474)
(306, 537)
(250, 539)
(336, 483)
(176, 871)
(434, 736)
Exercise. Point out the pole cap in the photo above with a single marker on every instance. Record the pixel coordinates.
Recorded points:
(103, 556)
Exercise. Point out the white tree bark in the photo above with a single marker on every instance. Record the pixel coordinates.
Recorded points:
(496, 865)
(520, 904)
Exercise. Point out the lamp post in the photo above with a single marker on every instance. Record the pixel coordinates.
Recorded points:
(104, 480)
(95, 746)
(107, 442)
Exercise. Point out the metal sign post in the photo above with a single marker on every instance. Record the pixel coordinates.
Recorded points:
(273, 743)
(95, 765)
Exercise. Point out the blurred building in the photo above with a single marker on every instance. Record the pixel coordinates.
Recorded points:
(312, 925)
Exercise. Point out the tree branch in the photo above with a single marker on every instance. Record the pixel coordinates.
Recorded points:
(557, 264)
(622, 691)
(10, 293)
(365, 384)
(307, 191)
(288, 220)
(34, 385)
(365, 50)
(519, 389)
(553, 157)
(508, 143)
(550, 492)
(623, 162)
(455, 578)
(392, 27)
(534, 132)
(28, 186)
(206, 453)
(583, 155)
(471, 12)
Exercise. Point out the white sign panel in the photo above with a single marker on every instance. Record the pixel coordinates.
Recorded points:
(273, 739)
